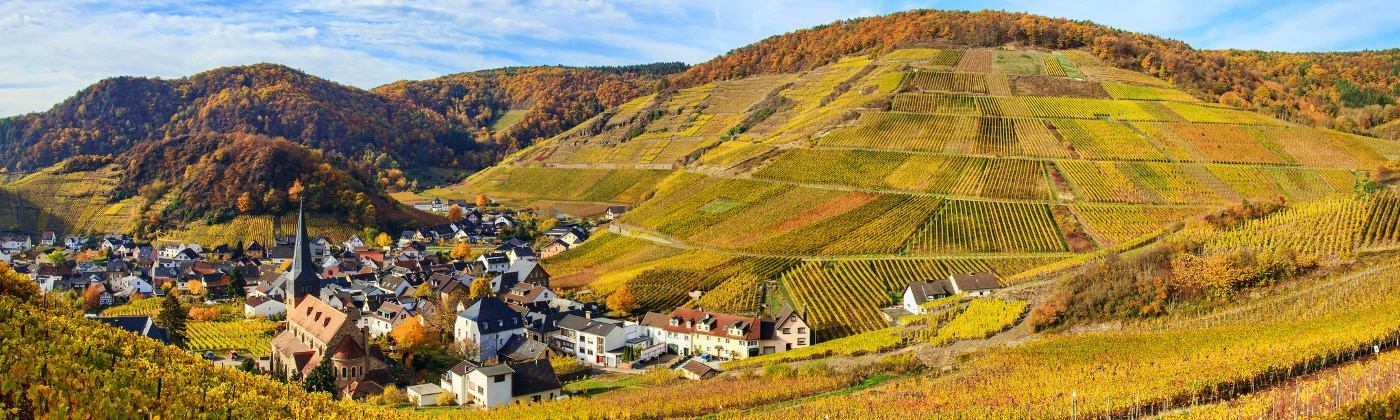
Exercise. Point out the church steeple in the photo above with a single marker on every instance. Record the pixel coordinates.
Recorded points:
(305, 278)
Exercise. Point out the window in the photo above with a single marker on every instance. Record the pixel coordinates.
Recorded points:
(536, 398)
(787, 331)
(498, 378)
(801, 330)
(801, 341)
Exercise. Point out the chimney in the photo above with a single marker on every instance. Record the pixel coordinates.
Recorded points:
(588, 314)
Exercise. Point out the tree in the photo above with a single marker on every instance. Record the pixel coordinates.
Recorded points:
(321, 379)
(249, 366)
(411, 336)
(622, 300)
(237, 284)
(294, 192)
(383, 240)
(172, 317)
(462, 251)
(91, 296)
(481, 288)
(16, 284)
(447, 398)
(482, 201)
(454, 213)
(245, 203)
(56, 258)
(424, 291)
(196, 288)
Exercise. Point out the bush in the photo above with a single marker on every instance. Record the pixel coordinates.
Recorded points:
(777, 371)
(660, 376)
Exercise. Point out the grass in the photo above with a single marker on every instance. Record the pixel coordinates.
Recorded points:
(507, 120)
(1019, 63)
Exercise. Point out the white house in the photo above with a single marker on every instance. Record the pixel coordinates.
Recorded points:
(488, 323)
(604, 341)
(263, 306)
(503, 384)
(923, 291)
(354, 242)
(495, 262)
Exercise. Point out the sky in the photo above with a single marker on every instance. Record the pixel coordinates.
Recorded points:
(50, 49)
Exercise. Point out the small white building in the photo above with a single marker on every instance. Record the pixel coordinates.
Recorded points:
(425, 394)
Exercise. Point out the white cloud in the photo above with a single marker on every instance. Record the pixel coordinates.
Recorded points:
(54, 48)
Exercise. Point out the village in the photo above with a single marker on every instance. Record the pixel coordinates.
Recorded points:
(394, 321)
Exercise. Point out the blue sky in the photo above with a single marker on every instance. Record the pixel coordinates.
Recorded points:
(50, 49)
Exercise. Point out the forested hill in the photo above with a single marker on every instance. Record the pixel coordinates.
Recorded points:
(1348, 91)
(407, 126)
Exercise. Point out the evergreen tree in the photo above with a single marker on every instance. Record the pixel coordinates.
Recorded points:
(236, 284)
(172, 317)
(321, 378)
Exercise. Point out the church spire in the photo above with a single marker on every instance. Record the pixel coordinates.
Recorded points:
(304, 279)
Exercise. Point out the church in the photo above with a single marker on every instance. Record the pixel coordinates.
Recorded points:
(318, 333)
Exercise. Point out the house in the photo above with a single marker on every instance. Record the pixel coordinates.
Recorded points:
(48, 238)
(255, 250)
(788, 330)
(574, 236)
(140, 325)
(263, 306)
(129, 286)
(693, 332)
(522, 253)
(74, 242)
(527, 272)
(354, 242)
(503, 384)
(494, 262)
(423, 205)
(525, 293)
(605, 341)
(696, 370)
(917, 293)
(425, 394)
(488, 323)
(614, 212)
(975, 284)
(554, 248)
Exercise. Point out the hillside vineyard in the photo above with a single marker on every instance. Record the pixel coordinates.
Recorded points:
(917, 164)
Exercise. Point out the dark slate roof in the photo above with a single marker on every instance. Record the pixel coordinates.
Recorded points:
(975, 281)
(139, 325)
(926, 290)
(492, 315)
(519, 348)
(462, 368)
(533, 378)
(591, 326)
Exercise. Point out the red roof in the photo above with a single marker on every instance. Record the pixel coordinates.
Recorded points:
(348, 350)
(721, 323)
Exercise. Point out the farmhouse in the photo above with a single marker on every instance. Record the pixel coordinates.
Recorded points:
(923, 291)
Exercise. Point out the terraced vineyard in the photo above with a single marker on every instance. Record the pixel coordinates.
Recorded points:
(922, 153)
(844, 297)
(1121, 223)
(249, 338)
(980, 227)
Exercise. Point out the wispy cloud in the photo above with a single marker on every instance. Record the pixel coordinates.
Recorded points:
(53, 48)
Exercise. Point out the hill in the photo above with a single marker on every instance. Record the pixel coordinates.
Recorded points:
(1347, 91)
(259, 129)
(877, 170)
